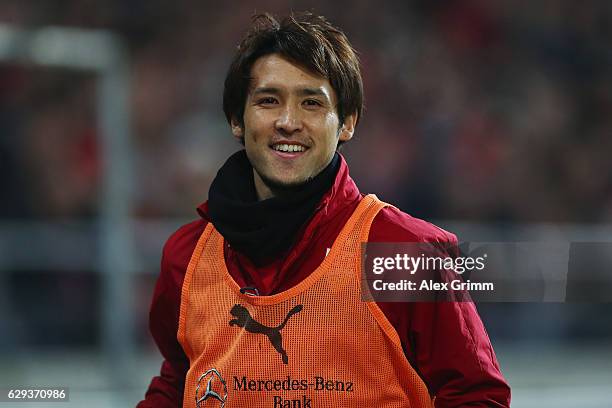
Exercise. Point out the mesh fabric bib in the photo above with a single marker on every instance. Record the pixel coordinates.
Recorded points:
(315, 345)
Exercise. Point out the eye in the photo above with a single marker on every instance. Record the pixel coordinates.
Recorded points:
(267, 100)
(312, 102)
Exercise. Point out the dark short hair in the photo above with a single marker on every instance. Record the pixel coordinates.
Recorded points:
(306, 39)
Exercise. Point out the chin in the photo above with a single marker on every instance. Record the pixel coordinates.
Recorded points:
(283, 184)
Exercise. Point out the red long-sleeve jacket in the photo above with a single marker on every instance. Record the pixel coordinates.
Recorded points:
(445, 342)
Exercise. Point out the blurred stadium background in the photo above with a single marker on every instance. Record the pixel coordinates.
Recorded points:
(493, 119)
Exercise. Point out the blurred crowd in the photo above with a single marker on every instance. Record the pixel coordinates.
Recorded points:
(475, 110)
(486, 111)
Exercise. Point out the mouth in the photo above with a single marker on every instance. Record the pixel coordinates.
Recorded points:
(289, 149)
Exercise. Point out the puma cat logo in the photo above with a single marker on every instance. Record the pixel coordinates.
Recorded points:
(243, 319)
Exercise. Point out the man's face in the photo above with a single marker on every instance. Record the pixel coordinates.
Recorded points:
(291, 125)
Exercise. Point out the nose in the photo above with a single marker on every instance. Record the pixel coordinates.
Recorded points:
(289, 120)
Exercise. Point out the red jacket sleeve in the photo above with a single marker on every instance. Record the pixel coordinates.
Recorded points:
(445, 342)
(166, 390)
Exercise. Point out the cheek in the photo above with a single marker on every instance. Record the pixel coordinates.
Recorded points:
(256, 123)
(331, 129)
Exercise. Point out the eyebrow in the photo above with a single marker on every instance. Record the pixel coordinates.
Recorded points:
(301, 91)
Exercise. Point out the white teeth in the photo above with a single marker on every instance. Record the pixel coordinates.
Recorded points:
(288, 148)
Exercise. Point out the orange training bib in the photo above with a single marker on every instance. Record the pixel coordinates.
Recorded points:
(315, 345)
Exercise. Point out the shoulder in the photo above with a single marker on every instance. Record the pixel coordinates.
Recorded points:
(185, 236)
(178, 249)
(393, 225)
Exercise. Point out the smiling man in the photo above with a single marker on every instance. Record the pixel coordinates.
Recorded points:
(290, 126)
(258, 303)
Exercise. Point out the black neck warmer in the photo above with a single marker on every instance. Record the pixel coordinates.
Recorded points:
(262, 229)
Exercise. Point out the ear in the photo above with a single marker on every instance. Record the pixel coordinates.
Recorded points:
(348, 127)
(237, 130)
